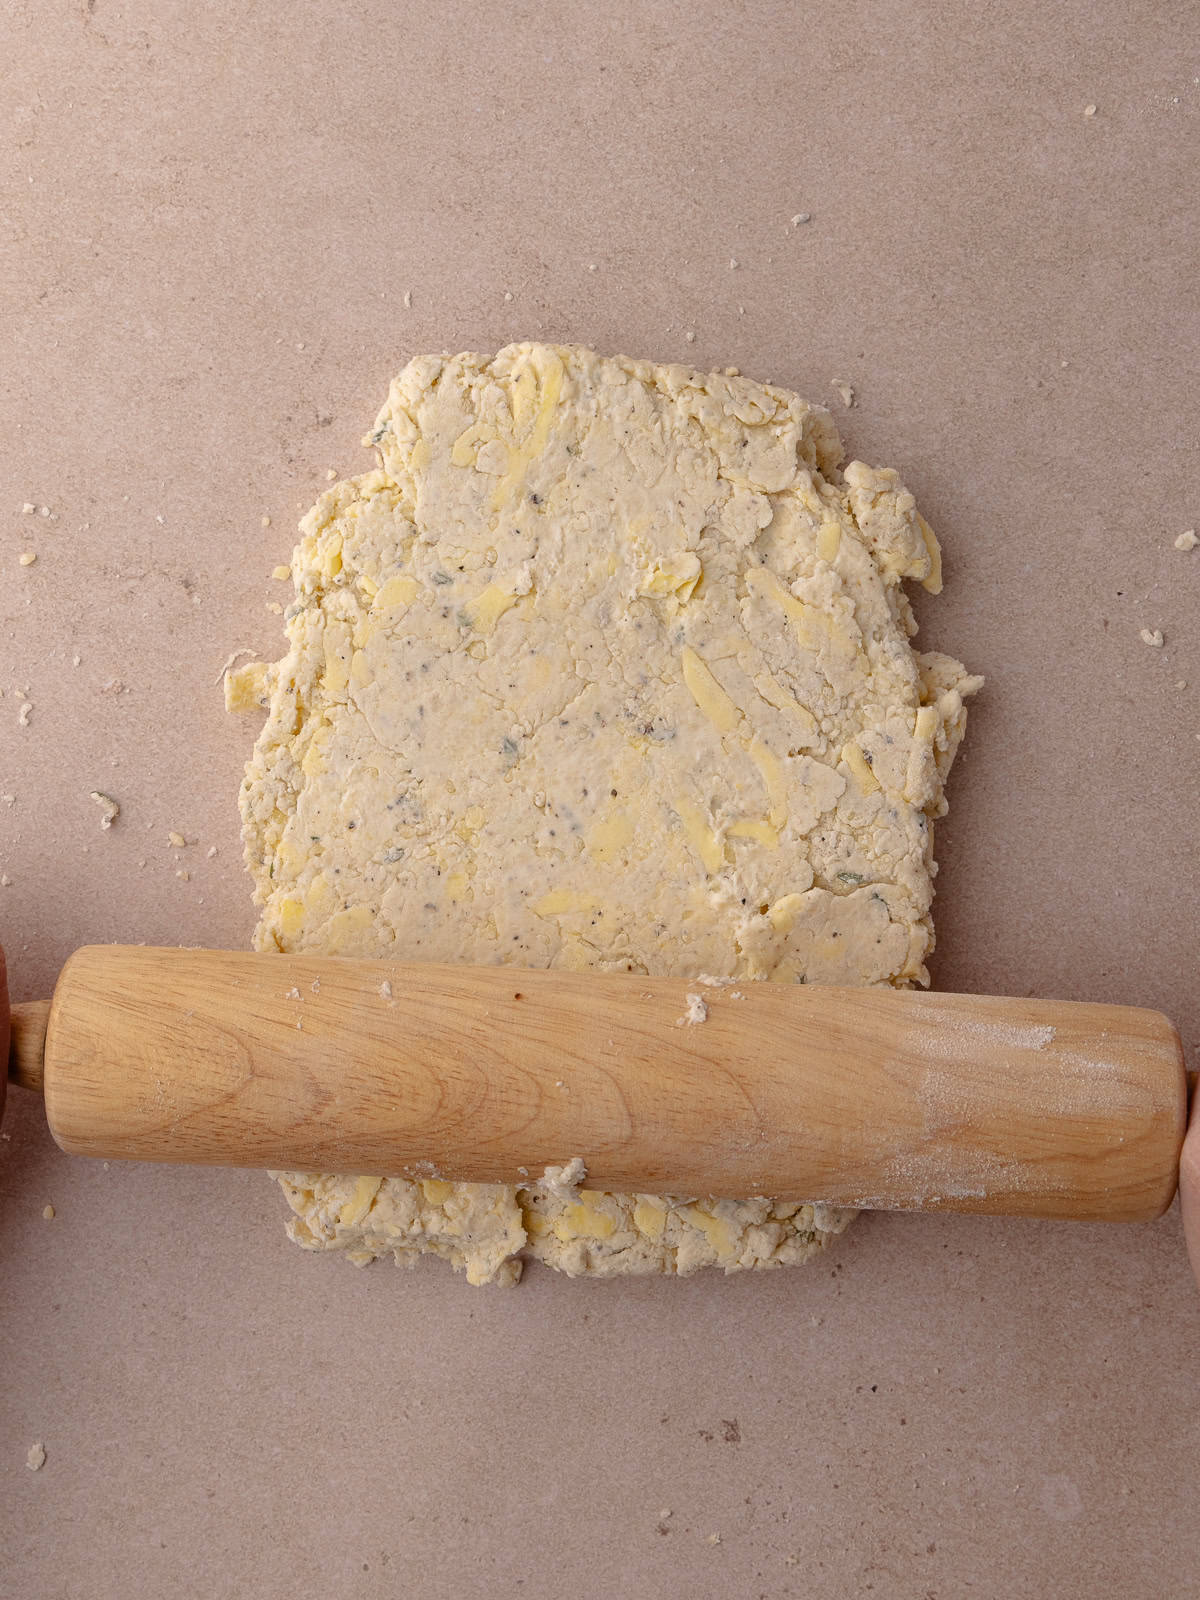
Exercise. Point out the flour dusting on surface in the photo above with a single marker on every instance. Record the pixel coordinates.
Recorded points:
(697, 1011)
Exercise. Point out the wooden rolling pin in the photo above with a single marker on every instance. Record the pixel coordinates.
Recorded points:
(860, 1097)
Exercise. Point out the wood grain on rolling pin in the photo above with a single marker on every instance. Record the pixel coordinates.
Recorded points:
(867, 1097)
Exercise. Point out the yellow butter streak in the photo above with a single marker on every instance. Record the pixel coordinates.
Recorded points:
(466, 447)
(708, 694)
(813, 627)
(704, 841)
(609, 837)
(650, 1218)
(314, 764)
(458, 886)
(330, 563)
(488, 607)
(860, 767)
(721, 1235)
(395, 592)
(356, 1208)
(829, 540)
(676, 574)
(782, 915)
(560, 902)
(245, 686)
(727, 718)
(585, 1218)
(773, 692)
(337, 674)
(762, 831)
(344, 927)
(772, 777)
(536, 388)
(934, 581)
(544, 367)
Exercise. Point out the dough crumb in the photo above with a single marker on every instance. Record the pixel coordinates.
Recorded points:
(330, 474)
(109, 809)
(563, 1182)
(5, 881)
(316, 986)
(385, 990)
(713, 1538)
(27, 557)
(1089, 110)
(845, 392)
(292, 994)
(28, 509)
(176, 840)
(690, 336)
(408, 299)
(1152, 637)
(697, 1011)
(1187, 540)
(236, 655)
(211, 851)
(24, 714)
(266, 521)
(35, 1458)
(801, 218)
(48, 1213)
(184, 874)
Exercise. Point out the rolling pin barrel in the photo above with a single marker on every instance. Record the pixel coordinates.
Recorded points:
(856, 1097)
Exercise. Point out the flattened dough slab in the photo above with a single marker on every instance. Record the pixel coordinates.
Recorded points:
(607, 666)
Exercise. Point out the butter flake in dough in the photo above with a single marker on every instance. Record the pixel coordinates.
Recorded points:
(606, 666)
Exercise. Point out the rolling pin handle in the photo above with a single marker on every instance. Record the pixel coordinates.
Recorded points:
(27, 1044)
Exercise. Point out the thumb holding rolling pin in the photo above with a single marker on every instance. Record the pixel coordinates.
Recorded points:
(3, 1027)
(1189, 1185)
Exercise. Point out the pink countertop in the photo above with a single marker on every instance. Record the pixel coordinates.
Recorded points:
(212, 218)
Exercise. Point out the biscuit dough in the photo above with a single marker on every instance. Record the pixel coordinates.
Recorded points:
(607, 666)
